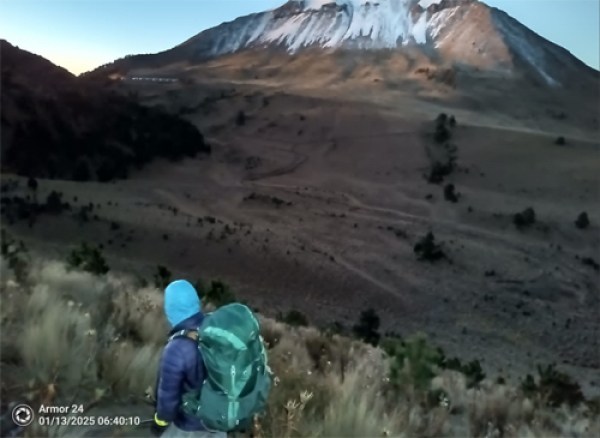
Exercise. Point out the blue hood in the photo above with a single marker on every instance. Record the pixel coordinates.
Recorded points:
(181, 302)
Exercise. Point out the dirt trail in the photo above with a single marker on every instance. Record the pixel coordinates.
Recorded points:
(185, 207)
(465, 229)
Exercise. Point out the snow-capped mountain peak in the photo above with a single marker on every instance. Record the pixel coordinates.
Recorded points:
(329, 24)
(459, 32)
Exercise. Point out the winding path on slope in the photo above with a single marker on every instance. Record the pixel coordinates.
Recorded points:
(467, 230)
(298, 159)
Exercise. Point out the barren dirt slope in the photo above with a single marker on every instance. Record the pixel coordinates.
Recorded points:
(316, 204)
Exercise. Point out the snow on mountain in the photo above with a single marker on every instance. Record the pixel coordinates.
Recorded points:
(329, 24)
(461, 32)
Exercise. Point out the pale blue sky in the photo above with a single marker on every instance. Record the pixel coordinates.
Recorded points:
(83, 34)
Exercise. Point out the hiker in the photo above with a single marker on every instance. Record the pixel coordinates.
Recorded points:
(214, 376)
(181, 365)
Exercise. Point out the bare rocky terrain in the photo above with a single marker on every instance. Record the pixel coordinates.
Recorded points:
(315, 197)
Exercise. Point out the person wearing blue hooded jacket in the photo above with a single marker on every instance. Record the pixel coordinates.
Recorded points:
(181, 366)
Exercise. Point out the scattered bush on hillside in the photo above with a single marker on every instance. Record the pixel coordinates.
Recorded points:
(442, 134)
(553, 387)
(560, 141)
(442, 167)
(452, 121)
(240, 119)
(219, 294)
(335, 328)
(82, 215)
(199, 287)
(16, 208)
(427, 249)
(264, 198)
(437, 172)
(473, 371)
(162, 277)
(524, 219)
(54, 203)
(141, 282)
(413, 362)
(16, 254)
(583, 221)
(322, 350)
(294, 317)
(367, 327)
(588, 261)
(450, 194)
(87, 258)
(32, 184)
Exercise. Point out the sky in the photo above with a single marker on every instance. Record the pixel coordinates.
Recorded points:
(80, 35)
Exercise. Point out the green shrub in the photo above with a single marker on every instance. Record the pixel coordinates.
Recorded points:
(367, 327)
(240, 120)
(427, 249)
(88, 258)
(441, 119)
(17, 255)
(558, 387)
(199, 286)
(472, 370)
(553, 387)
(54, 202)
(219, 294)
(162, 277)
(414, 363)
(450, 193)
(441, 134)
(141, 282)
(588, 261)
(525, 218)
(335, 328)
(583, 221)
(294, 318)
(32, 183)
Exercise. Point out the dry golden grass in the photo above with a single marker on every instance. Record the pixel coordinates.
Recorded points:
(69, 337)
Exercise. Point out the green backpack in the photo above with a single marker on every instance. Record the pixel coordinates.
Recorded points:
(238, 379)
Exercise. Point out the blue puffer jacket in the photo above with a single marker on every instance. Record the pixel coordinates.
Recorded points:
(180, 371)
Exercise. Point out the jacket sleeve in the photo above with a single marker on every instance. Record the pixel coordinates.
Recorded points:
(170, 382)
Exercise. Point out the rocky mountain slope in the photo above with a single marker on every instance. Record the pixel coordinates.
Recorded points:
(463, 33)
(58, 126)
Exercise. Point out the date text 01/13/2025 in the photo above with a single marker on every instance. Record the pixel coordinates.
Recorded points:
(87, 420)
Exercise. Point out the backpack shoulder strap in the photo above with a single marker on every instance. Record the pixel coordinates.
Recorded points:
(192, 335)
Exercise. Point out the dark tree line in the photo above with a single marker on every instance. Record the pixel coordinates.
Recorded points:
(98, 138)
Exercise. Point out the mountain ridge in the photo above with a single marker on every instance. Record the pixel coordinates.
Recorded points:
(56, 125)
(463, 33)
